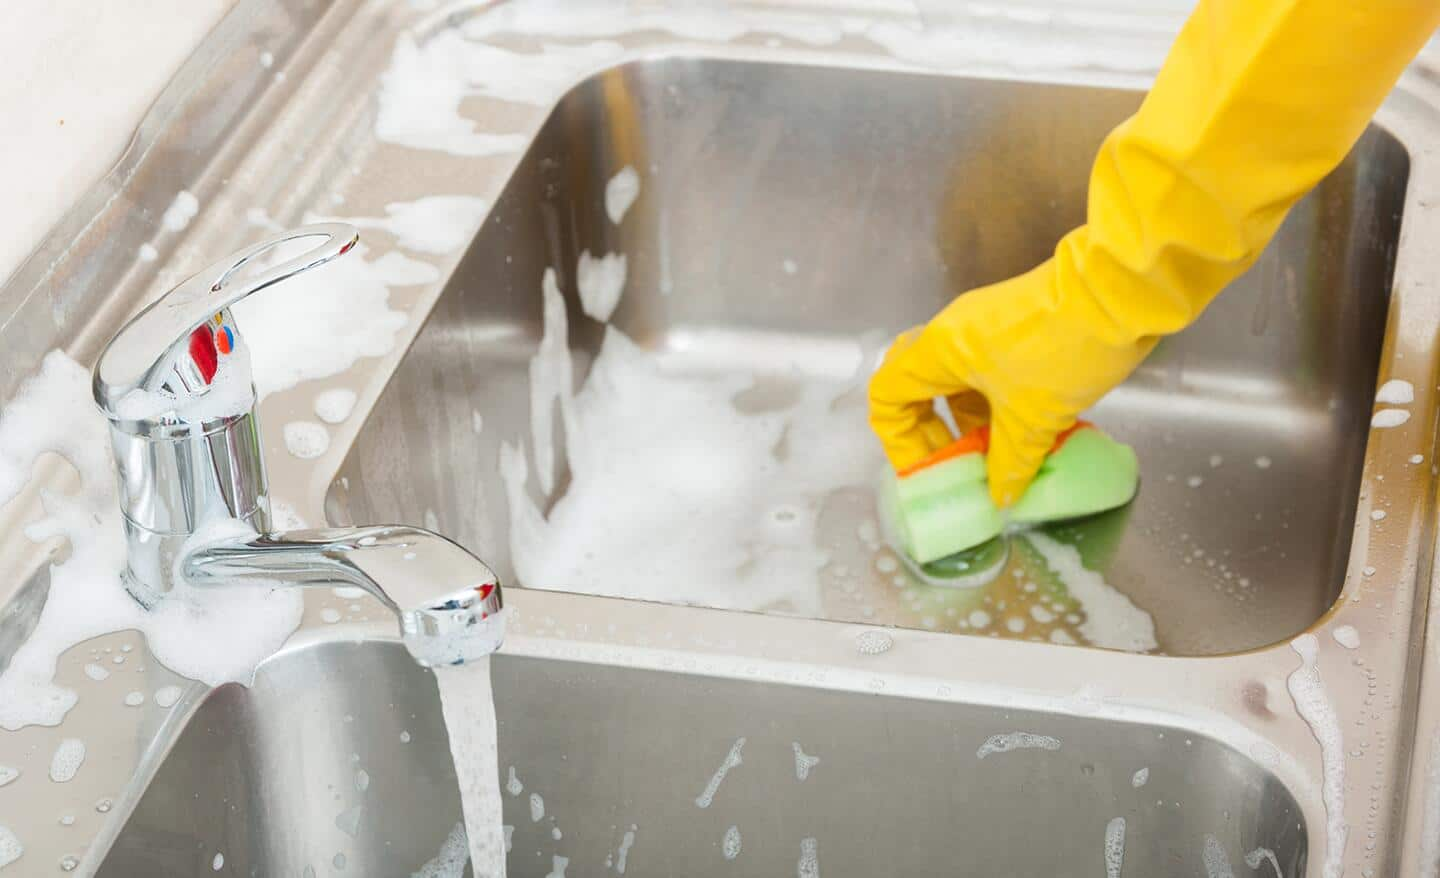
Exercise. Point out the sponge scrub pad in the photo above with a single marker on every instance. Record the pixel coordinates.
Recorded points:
(943, 505)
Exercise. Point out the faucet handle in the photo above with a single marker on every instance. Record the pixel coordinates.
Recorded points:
(166, 346)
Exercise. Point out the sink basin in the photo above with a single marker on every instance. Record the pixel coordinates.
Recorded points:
(791, 220)
(267, 777)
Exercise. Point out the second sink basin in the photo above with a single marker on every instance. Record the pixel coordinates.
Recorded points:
(336, 762)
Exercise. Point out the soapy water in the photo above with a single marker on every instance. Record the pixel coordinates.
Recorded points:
(732, 760)
(1114, 847)
(333, 406)
(622, 853)
(1016, 741)
(1315, 708)
(468, 704)
(216, 635)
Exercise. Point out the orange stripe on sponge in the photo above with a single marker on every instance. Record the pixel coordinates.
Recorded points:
(977, 441)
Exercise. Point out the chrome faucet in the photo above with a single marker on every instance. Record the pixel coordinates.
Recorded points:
(175, 385)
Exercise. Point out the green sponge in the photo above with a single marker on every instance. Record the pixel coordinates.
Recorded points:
(943, 506)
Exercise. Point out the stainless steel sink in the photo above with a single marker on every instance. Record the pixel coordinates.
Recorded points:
(267, 776)
(887, 194)
(813, 179)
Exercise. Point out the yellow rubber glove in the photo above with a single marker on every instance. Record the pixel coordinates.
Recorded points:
(1257, 101)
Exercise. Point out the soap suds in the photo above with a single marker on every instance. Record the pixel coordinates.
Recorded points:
(1111, 619)
(537, 808)
(1347, 636)
(600, 282)
(730, 844)
(95, 672)
(552, 381)
(306, 439)
(622, 854)
(1314, 706)
(148, 253)
(705, 511)
(334, 406)
(1016, 741)
(216, 635)
(437, 224)
(1395, 392)
(804, 763)
(66, 761)
(217, 863)
(620, 193)
(1217, 862)
(428, 79)
(1140, 778)
(180, 212)
(1261, 855)
(513, 786)
(450, 861)
(321, 322)
(10, 847)
(557, 866)
(1389, 418)
(1114, 847)
(809, 864)
(134, 698)
(732, 759)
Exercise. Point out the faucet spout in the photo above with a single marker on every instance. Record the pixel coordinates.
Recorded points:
(448, 602)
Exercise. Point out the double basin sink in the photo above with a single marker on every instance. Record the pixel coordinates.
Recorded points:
(801, 199)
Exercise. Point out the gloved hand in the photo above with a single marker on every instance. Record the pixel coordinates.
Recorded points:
(1257, 101)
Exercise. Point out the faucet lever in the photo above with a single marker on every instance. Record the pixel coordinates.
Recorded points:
(155, 351)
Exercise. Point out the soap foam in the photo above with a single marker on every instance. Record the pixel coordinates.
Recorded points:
(601, 282)
(621, 192)
(730, 845)
(1346, 636)
(66, 761)
(180, 212)
(1111, 619)
(803, 763)
(732, 760)
(1395, 392)
(333, 406)
(450, 861)
(1314, 706)
(1016, 741)
(1386, 418)
(10, 847)
(622, 854)
(306, 439)
(1140, 778)
(708, 511)
(809, 865)
(1114, 847)
(438, 224)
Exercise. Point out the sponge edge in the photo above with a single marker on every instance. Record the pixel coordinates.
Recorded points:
(946, 507)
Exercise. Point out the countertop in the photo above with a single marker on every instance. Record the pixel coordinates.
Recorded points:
(75, 79)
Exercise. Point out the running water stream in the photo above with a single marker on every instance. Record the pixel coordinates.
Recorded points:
(468, 702)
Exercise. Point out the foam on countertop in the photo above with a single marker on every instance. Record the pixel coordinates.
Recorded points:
(216, 635)
(1313, 704)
